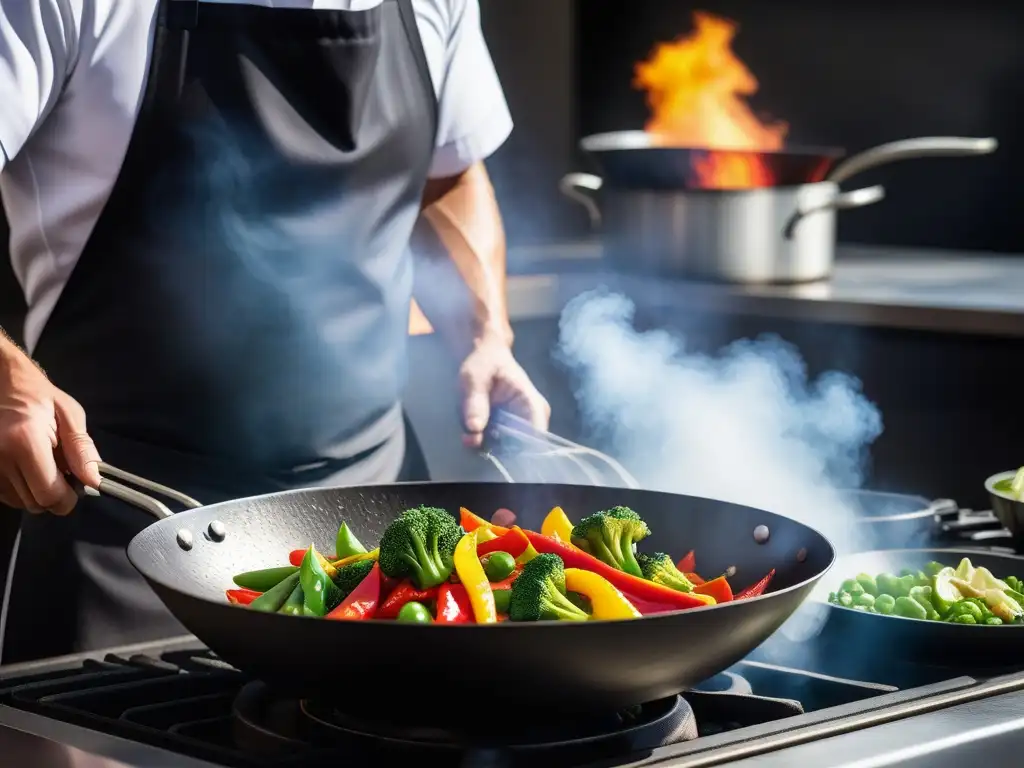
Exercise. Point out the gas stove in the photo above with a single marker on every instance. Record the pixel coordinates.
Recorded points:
(174, 702)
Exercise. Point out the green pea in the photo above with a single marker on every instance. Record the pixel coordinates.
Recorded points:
(415, 613)
(909, 609)
(501, 600)
(852, 587)
(907, 572)
(866, 600)
(868, 583)
(993, 621)
(906, 583)
(887, 584)
(884, 604)
(499, 566)
(922, 578)
(845, 599)
(964, 618)
(969, 608)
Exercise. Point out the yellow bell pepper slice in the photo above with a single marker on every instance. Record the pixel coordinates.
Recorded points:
(484, 534)
(557, 525)
(471, 574)
(371, 555)
(606, 602)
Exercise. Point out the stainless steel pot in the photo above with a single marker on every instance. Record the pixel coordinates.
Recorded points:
(779, 234)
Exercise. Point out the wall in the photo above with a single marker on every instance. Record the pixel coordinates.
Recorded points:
(854, 74)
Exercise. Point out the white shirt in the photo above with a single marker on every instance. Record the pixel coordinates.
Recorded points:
(72, 74)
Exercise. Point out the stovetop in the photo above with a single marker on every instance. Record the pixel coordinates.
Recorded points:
(174, 703)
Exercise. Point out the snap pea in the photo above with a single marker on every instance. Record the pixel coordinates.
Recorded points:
(266, 579)
(272, 600)
(346, 544)
(294, 605)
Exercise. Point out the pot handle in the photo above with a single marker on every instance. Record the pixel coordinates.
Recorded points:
(856, 198)
(909, 149)
(136, 498)
(580, 187)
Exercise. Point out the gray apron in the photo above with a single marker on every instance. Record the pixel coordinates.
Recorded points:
(237, 323)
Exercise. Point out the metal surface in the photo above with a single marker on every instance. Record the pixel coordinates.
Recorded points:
(975, 648)
(579, 667)
(1009, 511)
(772, 234)
(954, 292)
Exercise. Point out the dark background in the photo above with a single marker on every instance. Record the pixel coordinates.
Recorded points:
(846, 73)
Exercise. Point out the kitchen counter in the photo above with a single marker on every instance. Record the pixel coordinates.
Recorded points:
(946, 291)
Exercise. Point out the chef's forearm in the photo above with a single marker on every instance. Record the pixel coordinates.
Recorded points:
(460, 271)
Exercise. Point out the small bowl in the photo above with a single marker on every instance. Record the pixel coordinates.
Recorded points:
(1008, 510)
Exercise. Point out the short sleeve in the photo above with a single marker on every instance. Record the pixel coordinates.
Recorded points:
(36, 38)
(473, 117)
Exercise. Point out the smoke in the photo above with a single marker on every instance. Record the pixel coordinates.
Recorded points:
(746, 425)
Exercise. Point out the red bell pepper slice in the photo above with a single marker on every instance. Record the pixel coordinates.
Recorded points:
(241, 596)
(647, 608)
(514, 542)
(631, 586)
(693, 578)
(688, 564)
(717, 588)
(362, 603)
(405, 592)
(453, 606)
(506, 583)
(471, 522)
(757, 588)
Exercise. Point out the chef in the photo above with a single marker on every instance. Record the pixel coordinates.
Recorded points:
(211, 206)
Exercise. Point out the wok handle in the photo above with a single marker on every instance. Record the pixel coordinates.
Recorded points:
(910, 149)
(581, 188)
(136, 498)
(843, 201)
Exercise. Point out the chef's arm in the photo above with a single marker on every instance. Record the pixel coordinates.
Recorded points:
(459, 243)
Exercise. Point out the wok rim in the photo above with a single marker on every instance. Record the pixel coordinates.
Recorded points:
(806, 584)
(960, 551)
(639, 140)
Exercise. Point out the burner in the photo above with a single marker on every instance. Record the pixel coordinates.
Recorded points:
(264, 722)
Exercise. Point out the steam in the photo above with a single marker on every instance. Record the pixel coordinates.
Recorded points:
(746, 425)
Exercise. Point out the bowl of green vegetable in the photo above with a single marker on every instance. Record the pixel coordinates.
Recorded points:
(928, 605)
(1006, 490)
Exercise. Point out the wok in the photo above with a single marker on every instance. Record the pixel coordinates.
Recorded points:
(646, 161)
(408, 672)
(921, 642)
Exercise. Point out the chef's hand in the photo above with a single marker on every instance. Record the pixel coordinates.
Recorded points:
(491, 378)
(42, 435)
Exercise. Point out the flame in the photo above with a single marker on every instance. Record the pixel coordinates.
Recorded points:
(696, 90)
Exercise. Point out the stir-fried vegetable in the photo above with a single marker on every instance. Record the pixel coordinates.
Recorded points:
(611, 537)
(420, 545)
(1012, 486)
(961, 595)
(433, 568)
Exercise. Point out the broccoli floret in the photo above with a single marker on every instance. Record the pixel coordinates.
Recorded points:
(351, 576)
(420, 545)
(610, 535)
(539, 593)
(660, 569)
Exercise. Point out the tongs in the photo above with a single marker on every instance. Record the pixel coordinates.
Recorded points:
(521, 453)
